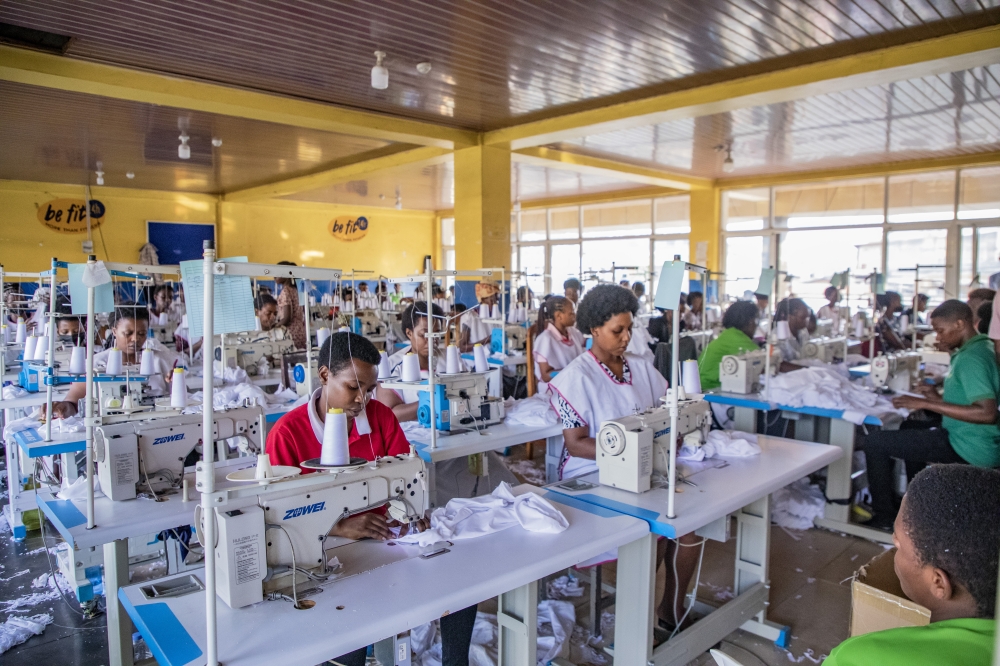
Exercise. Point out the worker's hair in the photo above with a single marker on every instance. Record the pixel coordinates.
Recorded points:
(766, 297)
(572, 283)
(126, 311)
(638, 288)
(985, 314)
(264, 299)
(788, 306)
(547, 311)
(339, 348)
(694, 295)
(362, 284)
(953, 310)
(417, 311)
(951, 516)
(161, 287)
(982, 294)
(602, 303)
(740, 315)
(830, 291)
(923, 297)
(288, 263)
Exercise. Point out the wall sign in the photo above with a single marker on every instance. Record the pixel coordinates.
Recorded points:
(348, 228)
(70, 215)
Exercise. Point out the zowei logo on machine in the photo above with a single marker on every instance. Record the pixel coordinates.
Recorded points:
(304, 510)
(168, 438)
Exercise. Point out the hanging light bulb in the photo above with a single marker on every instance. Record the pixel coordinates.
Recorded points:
(130, 175)
(727, 164)
(100, 173)
(184, 150)
(380, 75)
(217, 142)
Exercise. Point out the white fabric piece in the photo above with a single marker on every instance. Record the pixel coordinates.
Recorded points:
(826, 389)
(556, 620)
(534, 411)
(797, 505)
(229, 397)
(478, 331)
(552, 348)
(10, 392)
(596, 397)
(229, 375)
(18, 629)
(563, 588)
(469, 518)
(281, 396)
(78, 489)
(641, 339)
(721, 444)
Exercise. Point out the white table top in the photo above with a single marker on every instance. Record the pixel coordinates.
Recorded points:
(30, 400)
(757, 401)
(376, 604)
(468, 443)
(719, 492)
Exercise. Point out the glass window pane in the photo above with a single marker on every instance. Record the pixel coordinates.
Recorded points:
(565, 262)
(533, 267)
(841, 203)
(745, 257)
(513, 258)
(673, 215)
(745, 210)
(513, 226)
(564, 223)
(906, 249)
(449, 260)
(448, 231)
(989, 261)
(979, 194)
(811, 269)
(665, 250)
(922, 197)
(965, 274)
(533, 225)
(632, 218)
(598, 257)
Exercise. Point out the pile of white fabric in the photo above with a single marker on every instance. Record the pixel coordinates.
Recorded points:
(827, 389)
(469, 518)
(535, 411)
(59, 426)
(797, 505)
(230, 397)
(17, 629)
(720, 444)
(10, 392)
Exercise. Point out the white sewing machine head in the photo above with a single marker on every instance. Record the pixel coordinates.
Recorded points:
(630, 448)
(896, 371)
(371, 324)
(245, 350)
(149, 455)
(517, 337)
(741, 373)
(163, 332)
(261, 534)
(465, 401)
(929, 353)
(826, 349)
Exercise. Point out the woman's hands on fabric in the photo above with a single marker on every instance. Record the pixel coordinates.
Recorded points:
(363, 526)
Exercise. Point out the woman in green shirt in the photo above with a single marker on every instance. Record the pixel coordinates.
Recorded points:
(947, 540)
(739, 322)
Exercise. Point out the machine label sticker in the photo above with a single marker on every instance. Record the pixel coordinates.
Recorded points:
(303, 510)
(168, 438)
(246, 559)
(123, 470)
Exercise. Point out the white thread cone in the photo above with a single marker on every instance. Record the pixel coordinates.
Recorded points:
(41, 348)
(522, 313)
(163, 319)
(321, 335)
(184, 321)
(256, 324)
(22, 331)
(146, 366)
(343, 329)
(479, 354)
(78, 361)
(783, 331)
(451, 360)
(411, 368)
(904, 322)
(859, 328)
(178, 388)
(495, 314)
(263, 470)
(384, 372)
(29, 347)
(484, 311)
(336, 450)
(6, 333)
(114, 362)
(690, 378)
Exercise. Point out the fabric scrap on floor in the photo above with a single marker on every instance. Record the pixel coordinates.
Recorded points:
(564, 587)
(797, 505)
(18, 629)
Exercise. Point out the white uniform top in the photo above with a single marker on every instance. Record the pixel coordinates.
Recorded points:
(641, 339)
(164, 362)
(552, 348)
(444, 304)
(692, 320)
(410, 396)
(586, 393)
(791, 347)
(831, 313)
(477, 329)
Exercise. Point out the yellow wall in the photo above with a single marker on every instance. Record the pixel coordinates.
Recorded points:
(267, 232)
(705, 226)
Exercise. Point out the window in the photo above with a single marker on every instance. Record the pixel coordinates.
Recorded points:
(745, 257)
(840, 204)
(979, 194)
(631, 218)
(565, 262)
(810, 271)
(533, 225)
(746, 210)
(666, 250)
(533, 268)
(905, 250)
(673, 215)
(988, 256)
(564, 223)
(448, 244)
(628, 258)
(922, 197)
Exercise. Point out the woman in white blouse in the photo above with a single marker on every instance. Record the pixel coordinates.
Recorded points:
(558, 342)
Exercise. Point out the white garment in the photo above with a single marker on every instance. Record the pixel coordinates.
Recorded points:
(552, 348)
(596, 397)
(469, 518)
(533, 412)
(833, 314)
(478, 331)
(721, 444)
(791, 347)
(692, 320)
(641, 339)
(825, 388)
(164, 362)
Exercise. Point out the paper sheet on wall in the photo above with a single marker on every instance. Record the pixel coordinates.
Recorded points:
(104, 294)
(668, 289)
(233, 299)
(766, 283)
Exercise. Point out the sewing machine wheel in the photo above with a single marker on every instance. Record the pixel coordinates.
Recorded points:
(612, 440)
(730, 365)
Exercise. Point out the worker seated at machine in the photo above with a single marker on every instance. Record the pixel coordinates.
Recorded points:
(404, 404)
(890, 338)
(739, 324)
(474, 330)
(267, 311)
(290, 313)
(69, 329)
(947, 538)
(696, 306)
(831, 311)
(163, 317)
(796, 313)
(129, 328)
(602, 385)
(557, 339)
(967, 431)
(348, 374)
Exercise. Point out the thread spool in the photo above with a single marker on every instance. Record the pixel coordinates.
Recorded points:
(184, 490)
(322, 334)
(41, 348)
(343, 329)
(184, 321)
(146, 366)
(263, 470)
(29, 348)
(114, 366)
(336, 450)
(783, 331)
(479, 354)
(5, 333)
(690, 377)
(484, 311)
(256, 324)
(451, 360)
(859, 328)
(384, 371)
(22, 331)
(904, 322)
(495, 314)
(163, 319)
(178, 388)
(78, 361)
(411, 368)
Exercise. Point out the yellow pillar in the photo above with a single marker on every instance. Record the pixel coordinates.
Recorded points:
(706, 228)
(482, 207)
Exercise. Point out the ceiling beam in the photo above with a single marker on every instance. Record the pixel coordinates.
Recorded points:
(579, 163)
(354, 168)
(938, 55)
(69, 74)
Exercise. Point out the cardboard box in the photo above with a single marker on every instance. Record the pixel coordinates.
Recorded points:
(877, 599)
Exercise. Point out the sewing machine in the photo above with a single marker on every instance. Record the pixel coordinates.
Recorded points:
(262, 534)
(929, 353)
(741, 374)
(148, 455)
(368, 324)
(517, 338)
(163, 332)
(826, 349)
(897, 371)
(245, 350)
(461, 401)
(631, 447)
(824, 328)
